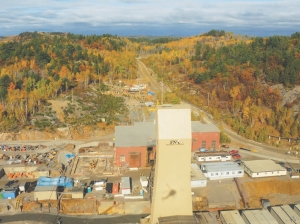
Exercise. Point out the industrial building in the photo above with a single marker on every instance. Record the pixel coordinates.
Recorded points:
(280, 215)
(258, 216)
(291, 213)
(231, 217)
(205, 136)
(208, 156)
(9, 193)
(76, 192)
(197, 177)
(221, 170)
(135, 145)
(263, 168)
(297, 209)
(45, 193)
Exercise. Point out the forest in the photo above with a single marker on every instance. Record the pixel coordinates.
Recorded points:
(36, 67)
(232, 77)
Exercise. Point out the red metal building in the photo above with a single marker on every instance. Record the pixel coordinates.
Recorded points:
(135, 145)
(205, 136)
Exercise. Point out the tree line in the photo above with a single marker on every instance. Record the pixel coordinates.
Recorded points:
(238, 74)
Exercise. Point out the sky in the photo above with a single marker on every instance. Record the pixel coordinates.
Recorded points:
(150, 17)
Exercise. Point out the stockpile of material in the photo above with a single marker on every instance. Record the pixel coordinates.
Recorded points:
(20, 174)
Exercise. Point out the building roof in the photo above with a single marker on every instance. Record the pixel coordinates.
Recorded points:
(212, 153)
(74, 190)
(283, 216)
(196, 173)
(197, 126)
(125, 182)
(220, 167)
(140, 134)
(144, 133)
(177, 219)
(45, 188)
(10, 189)
(259, 216)
(232, 217)
(265, 165)
(291, 213)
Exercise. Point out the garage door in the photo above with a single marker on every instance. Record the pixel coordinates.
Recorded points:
(135, 159)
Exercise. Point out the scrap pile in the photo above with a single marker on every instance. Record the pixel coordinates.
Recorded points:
(20, 175)
(22, 148)
(38, 158)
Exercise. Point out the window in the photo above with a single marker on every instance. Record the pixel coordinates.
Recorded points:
(233, 172)
(240, 172)
(216, 174)
(122, 158)
(213, 144)
(227, 173)
(212, 174)
(203, 144)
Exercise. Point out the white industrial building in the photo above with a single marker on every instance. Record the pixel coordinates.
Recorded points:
(231, 217)
(291, 213)
(258, 216)
(297, 209)
(197, 177)
(212, 156)
(45, 193)
(125, 185)
(222, 170)
(280, 215)
(263, 168)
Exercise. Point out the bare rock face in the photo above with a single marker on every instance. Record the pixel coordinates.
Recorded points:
(289, 95)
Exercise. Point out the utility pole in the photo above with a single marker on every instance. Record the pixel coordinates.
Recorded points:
(72, 96)
(162, 92)
(208, 99)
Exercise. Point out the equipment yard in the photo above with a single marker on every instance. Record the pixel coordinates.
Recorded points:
(92, 167)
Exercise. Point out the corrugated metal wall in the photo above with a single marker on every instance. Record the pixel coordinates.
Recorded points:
(173, 123)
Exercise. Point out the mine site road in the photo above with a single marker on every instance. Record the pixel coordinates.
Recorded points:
(263, 150)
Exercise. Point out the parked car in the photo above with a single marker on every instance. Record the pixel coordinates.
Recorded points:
(236, 156)
(289, 169)
(233, 152)
(225, 146)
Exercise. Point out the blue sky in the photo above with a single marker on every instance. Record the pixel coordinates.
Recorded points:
(151, 17)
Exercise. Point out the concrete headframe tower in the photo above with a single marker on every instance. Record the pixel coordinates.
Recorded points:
(172, 181)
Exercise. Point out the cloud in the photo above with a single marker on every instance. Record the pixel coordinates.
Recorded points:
(126, 17)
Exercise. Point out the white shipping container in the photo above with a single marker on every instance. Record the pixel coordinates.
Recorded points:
(98, 188)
